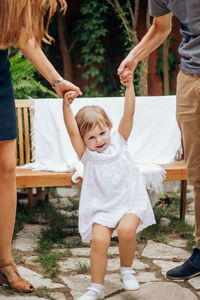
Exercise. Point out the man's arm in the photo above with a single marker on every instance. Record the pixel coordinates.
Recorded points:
(38, 59)
(71, 125)
(156, 35)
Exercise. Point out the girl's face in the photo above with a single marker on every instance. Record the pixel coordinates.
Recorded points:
(97, 138)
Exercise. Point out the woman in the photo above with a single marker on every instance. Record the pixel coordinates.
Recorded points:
(22, 26)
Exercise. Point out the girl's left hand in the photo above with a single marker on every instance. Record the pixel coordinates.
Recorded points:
(66, 86)
(69, 97)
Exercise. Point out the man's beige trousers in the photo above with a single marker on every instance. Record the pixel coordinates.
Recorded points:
(188, 117)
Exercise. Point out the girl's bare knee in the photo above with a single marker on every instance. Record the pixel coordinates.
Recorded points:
(126, 232)
(100, 238)
(100, 242)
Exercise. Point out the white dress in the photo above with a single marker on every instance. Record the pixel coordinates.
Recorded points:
(112, 187)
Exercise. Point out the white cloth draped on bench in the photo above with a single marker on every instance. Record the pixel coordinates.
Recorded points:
(155, 138)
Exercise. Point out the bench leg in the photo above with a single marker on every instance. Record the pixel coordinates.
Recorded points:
(183, 199)
(30, 199)
(41, 193)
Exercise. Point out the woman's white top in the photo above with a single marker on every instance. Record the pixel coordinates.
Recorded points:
(112, 187)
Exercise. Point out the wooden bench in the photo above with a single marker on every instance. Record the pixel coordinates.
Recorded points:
(27, 178)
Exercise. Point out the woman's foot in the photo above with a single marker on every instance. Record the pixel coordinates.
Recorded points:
(94, 292)
(10, 276)
(128, 279)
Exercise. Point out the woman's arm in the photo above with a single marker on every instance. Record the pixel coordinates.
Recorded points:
(71, 125)
(37, 57)
(156, 35)
(126, 123)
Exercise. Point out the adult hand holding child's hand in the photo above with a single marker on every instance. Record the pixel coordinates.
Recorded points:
(126, 77)
(69, 97)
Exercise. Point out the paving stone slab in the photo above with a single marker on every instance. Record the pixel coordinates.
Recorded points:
(166, 265)
(69, 214)
(79, 283)
(157, 291)
(80, 252)
(179, 243)
(138, 265)
(195, 282)
(146, 277)
(163, 251)
(73, 263)
(26, 239)
(113, 250)
(112, 266)
(190, 219)
(86, 251)
(31, 260)
(13, 297)
(61, 203)
(38, 280)
(58, 296)
(68, 191)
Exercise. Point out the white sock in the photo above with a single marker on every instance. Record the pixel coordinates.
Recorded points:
(98, 286)
(127, 273)
(125, 268)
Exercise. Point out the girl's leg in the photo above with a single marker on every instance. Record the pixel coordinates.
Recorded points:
(127, 243)
(99, 247)
(126, 230)
(8, 202)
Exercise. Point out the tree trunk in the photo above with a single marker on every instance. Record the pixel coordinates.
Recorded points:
(144, 68)
(144, 77)
(165, 67)
(66, 59)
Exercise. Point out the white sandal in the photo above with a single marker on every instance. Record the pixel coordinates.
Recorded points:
(128, 279)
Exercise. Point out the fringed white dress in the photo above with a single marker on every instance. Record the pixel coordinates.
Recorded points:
(112, 187)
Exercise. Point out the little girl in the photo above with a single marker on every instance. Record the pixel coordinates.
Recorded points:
(113, 198)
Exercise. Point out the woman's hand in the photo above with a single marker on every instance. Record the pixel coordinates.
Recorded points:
(66, 86)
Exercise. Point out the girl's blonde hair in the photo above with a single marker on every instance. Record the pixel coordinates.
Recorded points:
(21, 20)
(90, 116)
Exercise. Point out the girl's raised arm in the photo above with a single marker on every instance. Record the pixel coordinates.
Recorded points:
(71, 125)
(126, 123)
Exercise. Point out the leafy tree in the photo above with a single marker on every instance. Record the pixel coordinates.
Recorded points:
(23, 78)
(89, 32)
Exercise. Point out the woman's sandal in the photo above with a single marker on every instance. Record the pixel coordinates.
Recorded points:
(19, 284)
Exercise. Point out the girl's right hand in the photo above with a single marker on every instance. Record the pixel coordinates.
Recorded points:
(69, 97)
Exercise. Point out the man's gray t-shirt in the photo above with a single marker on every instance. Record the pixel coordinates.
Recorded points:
(188, 13)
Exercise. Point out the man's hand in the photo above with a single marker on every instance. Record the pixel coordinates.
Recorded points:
(127, 76)
(130, 62)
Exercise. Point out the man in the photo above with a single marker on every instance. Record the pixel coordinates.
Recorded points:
(188, 96)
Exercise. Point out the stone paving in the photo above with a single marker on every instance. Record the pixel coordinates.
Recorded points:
(151, 263)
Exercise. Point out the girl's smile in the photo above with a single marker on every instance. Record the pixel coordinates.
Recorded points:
(97, 138)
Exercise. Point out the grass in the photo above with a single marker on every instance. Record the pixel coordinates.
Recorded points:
(169, 208)
(44, 292)
(50, 262)
(80, 268)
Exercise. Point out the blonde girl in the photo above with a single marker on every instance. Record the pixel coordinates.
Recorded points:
(22, 26)
(113, 198)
